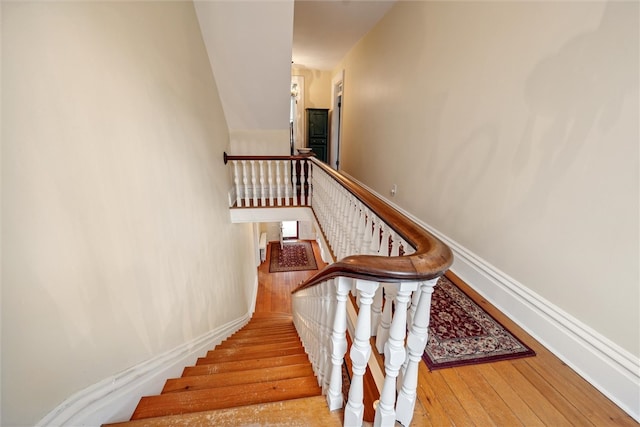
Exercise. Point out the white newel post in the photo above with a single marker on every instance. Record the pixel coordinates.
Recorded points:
(394, 356)
(338, 344)
(416, 343)
(360, 353)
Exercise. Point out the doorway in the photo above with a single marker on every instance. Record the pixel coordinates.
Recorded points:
(296, 116)
(289, 230)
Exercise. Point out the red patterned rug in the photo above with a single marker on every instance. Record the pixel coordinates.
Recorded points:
(462, 333)
(294, 256)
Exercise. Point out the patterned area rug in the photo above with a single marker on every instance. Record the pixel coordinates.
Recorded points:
(462, 333)
(294, 256)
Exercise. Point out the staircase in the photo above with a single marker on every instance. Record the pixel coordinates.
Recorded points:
(259, 376)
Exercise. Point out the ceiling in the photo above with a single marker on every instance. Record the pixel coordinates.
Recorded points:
(325, 30)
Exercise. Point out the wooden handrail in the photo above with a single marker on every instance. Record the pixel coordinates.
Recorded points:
(430, 259)
(228, 157)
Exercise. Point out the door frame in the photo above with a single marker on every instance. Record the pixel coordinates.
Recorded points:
(299, 126)
(337, 96)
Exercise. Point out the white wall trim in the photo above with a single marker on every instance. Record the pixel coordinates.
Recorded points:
(115, 398)
(273, 214)
(614, 371)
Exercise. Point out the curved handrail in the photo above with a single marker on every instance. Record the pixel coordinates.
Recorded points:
(431, 257)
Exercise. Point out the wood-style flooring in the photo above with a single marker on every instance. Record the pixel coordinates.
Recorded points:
(533, 391)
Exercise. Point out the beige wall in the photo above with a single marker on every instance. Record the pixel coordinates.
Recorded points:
(249, 44)
(317, 87)
(116, 239)
(512, 128)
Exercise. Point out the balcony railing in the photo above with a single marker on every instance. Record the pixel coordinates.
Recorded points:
(389, 262)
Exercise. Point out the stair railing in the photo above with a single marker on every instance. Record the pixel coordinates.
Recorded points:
(269, 181)
(380, 255)
(392, 264)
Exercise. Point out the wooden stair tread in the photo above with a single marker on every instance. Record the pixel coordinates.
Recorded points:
(258, 339)
(197, 382)
(267, 330)
(220, 356)
(309, 411)
(257, 348)
(205, 368)
(270, 315)
(273, 323)
(226, 397)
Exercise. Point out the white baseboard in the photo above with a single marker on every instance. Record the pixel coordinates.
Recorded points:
(114, 399)
(609, 368)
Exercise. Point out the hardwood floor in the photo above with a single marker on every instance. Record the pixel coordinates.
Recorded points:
(533, 391)
(274, 291)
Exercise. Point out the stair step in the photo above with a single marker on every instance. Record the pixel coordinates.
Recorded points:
(254, 340)
(225, 397)
(308, 411)
(270, 315)
(234, 366)
(235, 378)
(257, 333)
(279, 330)
(267, 328)
(257, 349)
(237, 354)
(287, 323)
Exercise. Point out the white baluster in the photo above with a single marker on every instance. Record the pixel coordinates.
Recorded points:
(236, 180)
(416, 343)
(360, 222)
(375, 236)
(394, 356)
(254, 189)
(367, 232)
(338, 344)
(263, 200)
(245, 181)
(395, 244)
(310, 195)
(294, 181)
(327, 296)
(285, 166)
(278, 184)
(360, 353)
(385, 320)
(270, 181)
(304, 178)
(376, 312)
(384, 241)
(415, 298)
